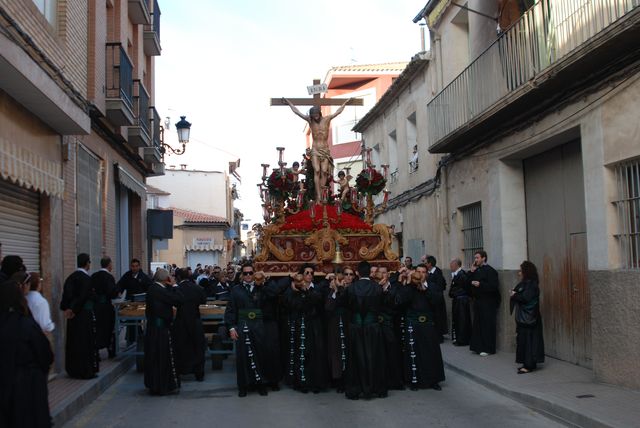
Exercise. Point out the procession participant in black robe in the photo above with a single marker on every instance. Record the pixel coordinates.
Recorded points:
(337, 326)
(187, 330)
(436, 278)
(104, 285)
(365, 375)
(77, 303)
(308, 365)
(24, 363)
(389, 324)
(160, 371)
(245, 320)
(486, 300)
(460, 304)
(270, 291)
(134, 281)
(423, 358)
(525, 299)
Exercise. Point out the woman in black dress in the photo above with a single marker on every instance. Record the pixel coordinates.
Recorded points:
(24, 363)
(525, 299)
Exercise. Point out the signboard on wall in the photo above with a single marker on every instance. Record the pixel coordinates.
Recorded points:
(203, 241)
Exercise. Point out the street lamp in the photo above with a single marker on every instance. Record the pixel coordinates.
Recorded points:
(184, 128)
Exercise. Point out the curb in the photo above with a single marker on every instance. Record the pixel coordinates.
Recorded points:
(562, 414)
(85, 395)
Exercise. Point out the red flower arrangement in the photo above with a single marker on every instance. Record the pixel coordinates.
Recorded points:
(370, 182)
(279, 184)
(303, 222)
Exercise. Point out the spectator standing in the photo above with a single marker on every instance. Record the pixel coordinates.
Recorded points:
(134, 281)
(24, 363)
(525, 299)
(38, 305)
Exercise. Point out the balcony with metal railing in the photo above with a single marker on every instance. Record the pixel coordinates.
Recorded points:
(140, 132)
(153, 153)
(152, 31)
(556, 49)
(119, 86)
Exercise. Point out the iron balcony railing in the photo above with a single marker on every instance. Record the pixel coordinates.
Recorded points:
(119, 74)
(141, 107)
(545, 34)
(155, 17)
(155, 136)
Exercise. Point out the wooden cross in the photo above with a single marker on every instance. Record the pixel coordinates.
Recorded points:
(316, 100)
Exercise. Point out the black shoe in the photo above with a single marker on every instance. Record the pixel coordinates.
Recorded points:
(262, 391)
(340, 390)
(413, 388)
(200, 377)
(242, 393)
(274, 387)
(436, 387)
(352, 397)
(315, 391)
(304, 390)
(382, 395)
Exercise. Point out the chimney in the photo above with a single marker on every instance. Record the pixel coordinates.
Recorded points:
(423, 41)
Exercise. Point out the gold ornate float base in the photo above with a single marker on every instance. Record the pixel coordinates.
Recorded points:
(282, 252)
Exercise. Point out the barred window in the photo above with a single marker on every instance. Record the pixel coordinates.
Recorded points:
(627, 204)
(471, 231)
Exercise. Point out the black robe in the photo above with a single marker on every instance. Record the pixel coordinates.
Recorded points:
(437, 283)
(24, 366)
(160, 371)
(460, 309)
(187, 330)
(104, 285)
(390, 324)
(529, 338)
(337, 337)
(423, 357)
(81, 354)
(253, 316)
(366, 361)
(134, 285)
(486, 299)
(307, 367)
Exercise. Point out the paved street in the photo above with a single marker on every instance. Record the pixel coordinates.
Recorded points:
(461, 403)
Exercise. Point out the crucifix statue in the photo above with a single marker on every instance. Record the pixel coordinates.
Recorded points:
(320, 127)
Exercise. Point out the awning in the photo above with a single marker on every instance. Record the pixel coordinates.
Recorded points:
(129, 181)
(30, 170)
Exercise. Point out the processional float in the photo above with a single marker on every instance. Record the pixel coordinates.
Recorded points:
(334, 230)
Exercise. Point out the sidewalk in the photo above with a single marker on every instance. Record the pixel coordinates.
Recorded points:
(563, 391)
(67, 397)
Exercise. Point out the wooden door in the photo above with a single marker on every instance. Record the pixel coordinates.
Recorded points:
(556, 241)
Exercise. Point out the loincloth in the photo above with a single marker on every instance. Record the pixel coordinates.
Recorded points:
(322, 154)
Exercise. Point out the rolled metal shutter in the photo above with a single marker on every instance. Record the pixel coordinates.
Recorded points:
(20, 224)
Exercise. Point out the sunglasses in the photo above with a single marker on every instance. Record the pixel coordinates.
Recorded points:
(349, 274)
(248, 273)
(308, 273)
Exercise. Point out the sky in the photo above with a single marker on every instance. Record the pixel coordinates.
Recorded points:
(222, 60)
